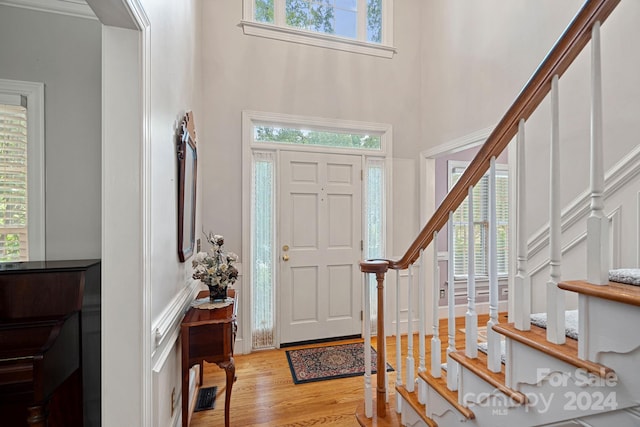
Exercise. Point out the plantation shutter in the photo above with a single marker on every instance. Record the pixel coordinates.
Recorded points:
(502, 221)
(13, 178)
(481, 225)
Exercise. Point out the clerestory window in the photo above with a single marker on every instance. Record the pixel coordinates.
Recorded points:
(361, 26)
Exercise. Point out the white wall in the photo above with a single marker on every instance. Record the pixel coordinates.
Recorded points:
(246, 72)
(63, 52)
(175, 87)
(477, 57)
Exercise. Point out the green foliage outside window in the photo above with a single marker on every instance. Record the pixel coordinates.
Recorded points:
(312, 15)
(312, 137)
(13, 182)
(264, 11)
(374, 21)
(324, 16)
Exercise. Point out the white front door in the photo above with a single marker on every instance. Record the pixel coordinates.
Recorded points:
(320, 231)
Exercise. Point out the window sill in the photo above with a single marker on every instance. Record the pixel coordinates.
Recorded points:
(483, 279)
(316, 39)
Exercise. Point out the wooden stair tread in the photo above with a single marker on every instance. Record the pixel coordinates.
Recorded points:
(497, 379)
(537, 338)
(440, 385)
(412, 399)
(619, 292)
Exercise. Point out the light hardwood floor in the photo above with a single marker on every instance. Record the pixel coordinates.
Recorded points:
(265, 395)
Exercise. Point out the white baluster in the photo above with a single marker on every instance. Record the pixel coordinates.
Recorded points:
(555, 296)
(522, 280)
(410, 367)
(452, 365)
(398, 345)
(436, 345)
(422, 390)
(493, 338)
(368, 394)
(471, 317)
(597, 223)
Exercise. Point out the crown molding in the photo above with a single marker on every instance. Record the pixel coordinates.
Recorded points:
(463, 143)
(77, 8)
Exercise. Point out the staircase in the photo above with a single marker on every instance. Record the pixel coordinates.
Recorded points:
(529, 376)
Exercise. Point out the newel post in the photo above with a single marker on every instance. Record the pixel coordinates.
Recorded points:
(379, 268)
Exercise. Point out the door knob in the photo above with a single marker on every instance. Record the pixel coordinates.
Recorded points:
(285, 257)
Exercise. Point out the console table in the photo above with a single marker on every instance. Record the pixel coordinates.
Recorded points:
(209, 335)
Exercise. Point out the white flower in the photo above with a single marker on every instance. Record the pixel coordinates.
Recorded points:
(216, 266)
(200, 257)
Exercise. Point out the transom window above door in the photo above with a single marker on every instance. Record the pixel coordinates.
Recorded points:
(284, 135)
(360, 26)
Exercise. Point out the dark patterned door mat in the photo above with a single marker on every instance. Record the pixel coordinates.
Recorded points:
(206, 399)
(329, 362)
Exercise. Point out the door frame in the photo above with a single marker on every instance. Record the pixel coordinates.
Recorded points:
(250, 146)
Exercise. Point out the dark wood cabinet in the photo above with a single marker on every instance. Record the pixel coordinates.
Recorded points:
(43, 359)
(209, 335)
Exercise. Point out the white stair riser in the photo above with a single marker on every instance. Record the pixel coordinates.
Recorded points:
(546, 404)
(437, 407)
(521, 417)
(626, 368)
(622, 418)
(611, 327)
(474, 390)
(410, 418)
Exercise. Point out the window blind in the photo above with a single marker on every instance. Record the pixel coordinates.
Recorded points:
(13, 179)
(481, 226)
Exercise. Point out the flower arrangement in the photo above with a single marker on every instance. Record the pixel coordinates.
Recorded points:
(215, 268)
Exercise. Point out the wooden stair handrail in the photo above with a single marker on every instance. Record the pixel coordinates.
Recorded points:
(563, 53)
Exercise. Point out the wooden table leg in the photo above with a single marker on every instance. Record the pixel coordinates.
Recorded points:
(37, 416)
(230, 369)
